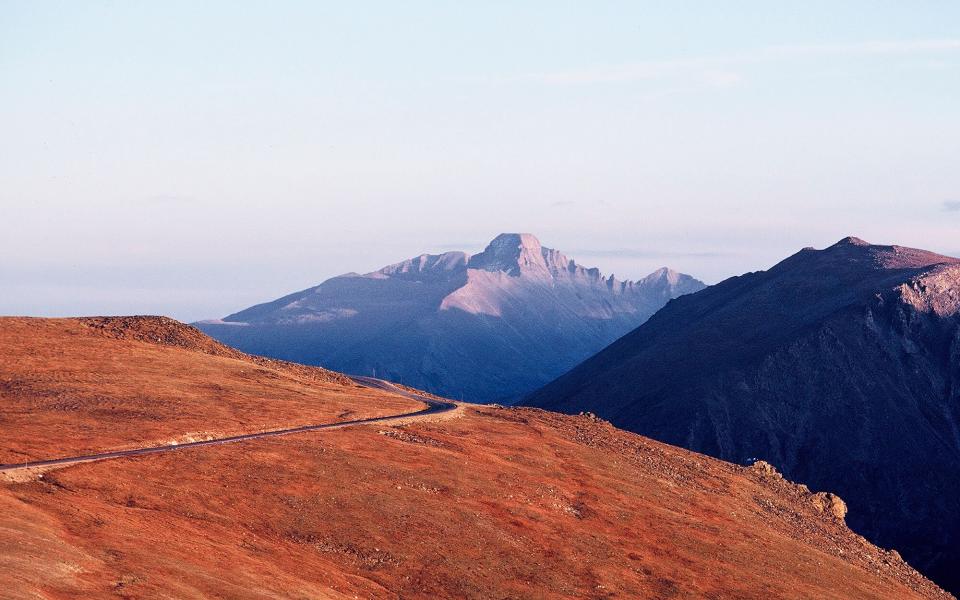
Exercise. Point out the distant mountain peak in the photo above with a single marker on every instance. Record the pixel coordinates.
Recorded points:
(665, 274)
(424, 266)
(524, 312)
(855, 258)
(852, 241)
(512, 253)
(534, 272)
(524, 240)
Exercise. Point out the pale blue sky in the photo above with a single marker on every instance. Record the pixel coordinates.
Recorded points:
(195, 158)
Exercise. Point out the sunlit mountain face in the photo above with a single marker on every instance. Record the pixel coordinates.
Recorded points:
(524, 312)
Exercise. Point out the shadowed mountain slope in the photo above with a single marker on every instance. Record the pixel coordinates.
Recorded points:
(525, 312)
(480, 502)
(839, 366)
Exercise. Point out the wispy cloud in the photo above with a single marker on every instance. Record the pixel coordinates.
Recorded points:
(169, 199)
(644, 253)
(631, 72)
(580, 203)
(866, 48)
(722, 78)
(721, 70)
(952, 206)
(458, 246)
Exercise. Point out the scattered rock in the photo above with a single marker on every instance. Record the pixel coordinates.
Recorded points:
(826, 502)
(765, 469)
(411, 438)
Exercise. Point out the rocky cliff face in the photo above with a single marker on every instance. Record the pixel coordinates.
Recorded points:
(524, 312)
(841, 367)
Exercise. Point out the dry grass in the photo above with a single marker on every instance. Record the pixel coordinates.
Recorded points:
(500, 503)
(69, 388)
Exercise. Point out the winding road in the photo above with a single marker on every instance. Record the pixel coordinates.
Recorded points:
(433, 407)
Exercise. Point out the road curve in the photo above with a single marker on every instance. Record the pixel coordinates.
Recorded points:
(434, 406)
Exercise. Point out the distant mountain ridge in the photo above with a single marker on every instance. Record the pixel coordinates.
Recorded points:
(839, 366)
(521, 312)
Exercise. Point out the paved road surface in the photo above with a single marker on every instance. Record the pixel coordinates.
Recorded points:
(433, 407)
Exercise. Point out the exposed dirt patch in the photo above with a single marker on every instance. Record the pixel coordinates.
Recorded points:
(405, 436)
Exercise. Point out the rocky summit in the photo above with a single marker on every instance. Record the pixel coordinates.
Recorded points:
(525, 312)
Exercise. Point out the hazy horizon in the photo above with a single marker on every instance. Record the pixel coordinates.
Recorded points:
(195, 160)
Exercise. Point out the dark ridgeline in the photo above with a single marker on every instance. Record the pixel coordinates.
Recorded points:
(491, 327)
(839, 366)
